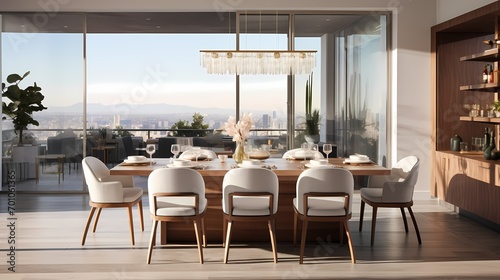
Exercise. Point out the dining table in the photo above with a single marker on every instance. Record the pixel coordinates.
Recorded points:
(287, 170)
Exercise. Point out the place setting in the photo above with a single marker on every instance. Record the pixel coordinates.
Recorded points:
(357, 159)
(254, 163)
(137, 161)
(185, 163)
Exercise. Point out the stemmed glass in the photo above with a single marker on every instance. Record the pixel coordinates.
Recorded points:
(197, 152)
(327, 149)
(315, 150)
(151, 149)
(305, 148)
(175, 149)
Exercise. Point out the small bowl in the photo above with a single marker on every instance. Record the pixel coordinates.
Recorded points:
(319, 162)
(136, 158)
(251, 162)
(181, 162)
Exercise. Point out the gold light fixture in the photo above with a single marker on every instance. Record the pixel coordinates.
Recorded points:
(258, 62)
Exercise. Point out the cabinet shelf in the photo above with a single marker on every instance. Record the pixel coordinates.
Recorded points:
(480, 119)
(481, 87)
(490, 55)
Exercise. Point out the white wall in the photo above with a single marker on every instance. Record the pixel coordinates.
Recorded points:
(411, 90)
(448, 9)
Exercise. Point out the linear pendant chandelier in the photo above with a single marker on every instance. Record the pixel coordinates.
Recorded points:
(258, 62)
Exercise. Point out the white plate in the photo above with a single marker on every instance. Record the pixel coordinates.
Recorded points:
(308, 165)
(347, 160)
(250, 166)
(190, 165)
(136, 161)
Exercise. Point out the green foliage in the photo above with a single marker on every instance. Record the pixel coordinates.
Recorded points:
(496, 105)
(23, 103)
(193, 129)
(121, 133)
(312, 116)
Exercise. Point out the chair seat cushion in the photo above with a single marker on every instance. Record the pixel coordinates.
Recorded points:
(250, 206)
(179, 206)
(372, 194)
(324, 206)
(131, 194)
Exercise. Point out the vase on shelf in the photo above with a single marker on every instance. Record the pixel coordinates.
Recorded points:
(239, 153)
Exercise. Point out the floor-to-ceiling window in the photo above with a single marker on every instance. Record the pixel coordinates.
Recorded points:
(143, 75)
(362, 89)
(50, 47)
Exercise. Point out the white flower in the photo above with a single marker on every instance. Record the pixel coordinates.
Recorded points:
(239, 130)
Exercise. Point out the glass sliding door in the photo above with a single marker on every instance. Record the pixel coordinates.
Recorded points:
(363, 89)
(50, 47)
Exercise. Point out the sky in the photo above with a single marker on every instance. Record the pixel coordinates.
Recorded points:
(143, 68)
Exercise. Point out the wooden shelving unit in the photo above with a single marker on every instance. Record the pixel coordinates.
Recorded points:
(467, 181)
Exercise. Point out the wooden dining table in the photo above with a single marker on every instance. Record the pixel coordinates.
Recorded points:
(213, 173)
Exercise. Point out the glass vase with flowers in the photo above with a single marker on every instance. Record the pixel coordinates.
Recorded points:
(240, 131)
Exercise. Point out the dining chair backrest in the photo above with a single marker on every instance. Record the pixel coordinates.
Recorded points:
(206, 154)
(249, 180)
(321, 180)
(176, 180)
(164, 146)
(291, 153)
(128, 145)
(94, 169)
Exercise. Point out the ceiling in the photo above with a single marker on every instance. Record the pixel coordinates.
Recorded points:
(306, 25)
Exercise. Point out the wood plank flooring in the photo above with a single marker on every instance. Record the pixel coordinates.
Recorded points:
(49, 229)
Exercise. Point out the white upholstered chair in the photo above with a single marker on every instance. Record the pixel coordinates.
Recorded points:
(393, 191)
(109, 191)
(323, 195)
(249, 195)
(291, 154)
(177, 195)
(204, 155)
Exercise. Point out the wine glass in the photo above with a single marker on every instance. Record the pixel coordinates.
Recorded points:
(151, 149)
(175, 149)
(315, 150)
(305, 148)
(197, 152)
(327, 149)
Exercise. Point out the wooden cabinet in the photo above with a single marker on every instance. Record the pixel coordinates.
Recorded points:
(459, 54)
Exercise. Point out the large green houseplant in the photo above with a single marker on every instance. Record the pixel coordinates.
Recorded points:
(23, 102)
(312, 115)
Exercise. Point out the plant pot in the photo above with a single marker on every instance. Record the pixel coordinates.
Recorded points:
(312, 139)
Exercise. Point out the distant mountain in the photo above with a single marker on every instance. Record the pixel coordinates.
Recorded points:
(137, 109)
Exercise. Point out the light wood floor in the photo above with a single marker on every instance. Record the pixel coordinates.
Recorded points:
(49, 229)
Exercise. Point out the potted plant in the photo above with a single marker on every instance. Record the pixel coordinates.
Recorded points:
(312, 115)
(495, 106)
(23, 103)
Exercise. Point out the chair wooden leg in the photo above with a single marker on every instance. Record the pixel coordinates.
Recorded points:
(228, 240)
(203, 232)
(404, 218)
(152, 241)
(374, 222)
(131, 223)
(97, 216)
(295, 228)
(89, 219)
(349, 240)
(361, 214)
(415, 225)
(224, 232)
(197, 230)
(271, 225)
(303, 241)
(141, 216)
